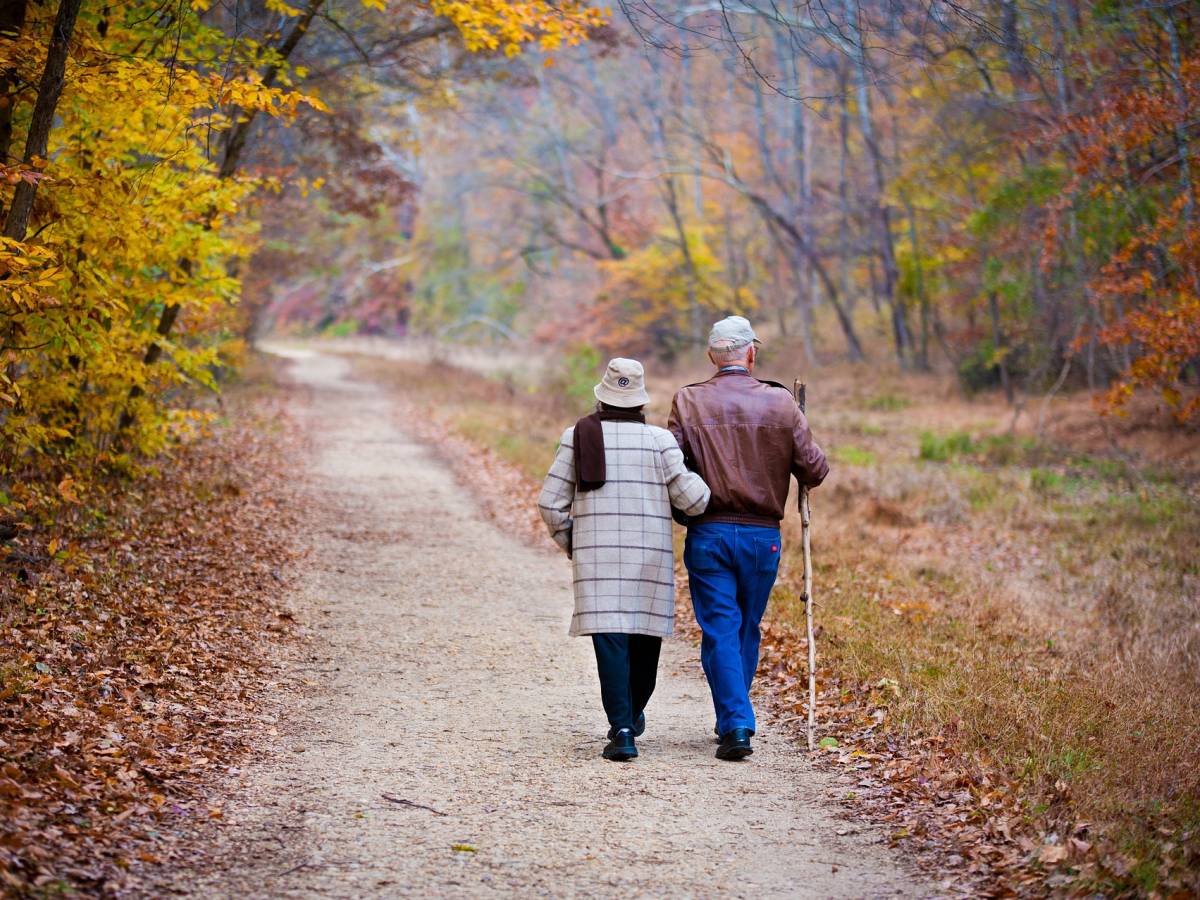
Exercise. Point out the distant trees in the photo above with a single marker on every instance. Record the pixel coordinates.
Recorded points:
(1005, 189)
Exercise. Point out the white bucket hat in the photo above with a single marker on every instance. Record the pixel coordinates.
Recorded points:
(623, 384)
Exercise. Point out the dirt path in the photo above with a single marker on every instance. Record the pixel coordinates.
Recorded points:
(445, 705)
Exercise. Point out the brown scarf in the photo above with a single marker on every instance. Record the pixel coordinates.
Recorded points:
(590, 471)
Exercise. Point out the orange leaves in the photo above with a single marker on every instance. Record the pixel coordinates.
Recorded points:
(66, 490)
(1128, 164)
(1166, 333)
(27, 172)
(1154, 310)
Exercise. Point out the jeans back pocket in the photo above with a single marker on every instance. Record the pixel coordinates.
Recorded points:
(702, 555)
(766, 554)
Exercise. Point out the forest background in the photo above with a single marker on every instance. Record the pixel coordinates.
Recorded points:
(999, 194)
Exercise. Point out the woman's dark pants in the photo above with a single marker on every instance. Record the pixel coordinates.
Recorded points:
(628, 665)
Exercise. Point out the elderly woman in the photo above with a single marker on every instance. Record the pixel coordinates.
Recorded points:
(607, 502)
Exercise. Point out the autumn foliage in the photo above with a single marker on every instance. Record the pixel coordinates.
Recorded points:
(122, 284)
(1133, 153)
(133, 231)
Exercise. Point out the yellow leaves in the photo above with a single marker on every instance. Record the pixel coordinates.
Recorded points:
(493, 24)
(29, 274)
(307, 186)
(278, 6)
(655, 289)
(379, 5)
(141, 221)
(314, 101)
(250, 93)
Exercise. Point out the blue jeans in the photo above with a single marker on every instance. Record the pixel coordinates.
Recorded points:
(731, 570)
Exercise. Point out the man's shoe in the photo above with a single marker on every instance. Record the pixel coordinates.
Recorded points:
(621, 747)
(735, 744)
(639, 727)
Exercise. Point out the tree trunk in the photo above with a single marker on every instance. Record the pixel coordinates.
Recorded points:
(670, 195)
(844, 193)
(808, 252)
(12, 20)
(1014, 49)
(883, 214)
(922, 359)
(802, 141)
(1182, 141)
(49, 90)
(689, 118)
(998, 345)
(235, 141)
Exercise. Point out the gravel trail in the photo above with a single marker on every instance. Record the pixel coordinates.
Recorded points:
(447, 738)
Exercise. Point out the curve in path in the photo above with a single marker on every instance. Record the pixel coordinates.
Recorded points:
(447, 708)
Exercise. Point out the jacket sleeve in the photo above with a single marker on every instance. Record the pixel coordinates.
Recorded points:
(558, 493)
(808, 460)
(687, 490)
(675, 426)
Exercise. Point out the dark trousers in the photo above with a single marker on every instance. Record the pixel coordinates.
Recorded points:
(628, 666)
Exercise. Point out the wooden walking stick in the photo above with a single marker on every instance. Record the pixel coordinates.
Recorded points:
(799, 390)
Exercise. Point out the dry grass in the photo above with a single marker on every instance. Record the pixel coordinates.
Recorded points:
(1031, 602)
(1036, 607)
(520, 424)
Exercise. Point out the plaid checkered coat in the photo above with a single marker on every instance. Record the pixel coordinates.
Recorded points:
(620, 534)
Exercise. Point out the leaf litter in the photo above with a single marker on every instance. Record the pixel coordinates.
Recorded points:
(132, 651)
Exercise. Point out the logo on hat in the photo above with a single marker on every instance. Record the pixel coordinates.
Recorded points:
(623, 384)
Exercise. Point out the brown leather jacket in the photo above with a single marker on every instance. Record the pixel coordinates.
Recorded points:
(745, 438)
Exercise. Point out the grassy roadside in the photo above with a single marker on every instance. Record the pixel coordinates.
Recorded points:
(1031, 609)
(1008, 631)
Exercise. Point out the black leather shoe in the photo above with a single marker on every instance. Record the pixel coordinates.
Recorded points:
(639, 727)
(621, 747)
(735, 744)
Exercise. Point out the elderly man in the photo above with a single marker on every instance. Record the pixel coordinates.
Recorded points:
(745, 438)
(607, 501)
